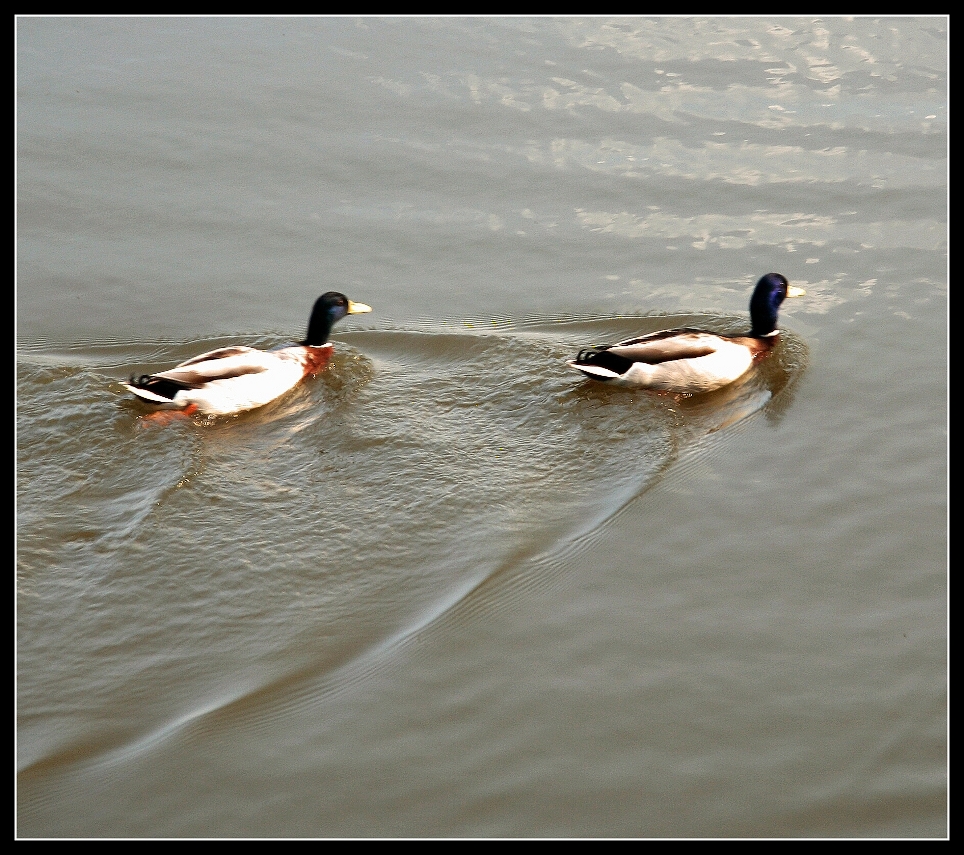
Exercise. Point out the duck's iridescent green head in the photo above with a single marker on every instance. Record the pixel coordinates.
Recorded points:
(328, 309)
(770, 292)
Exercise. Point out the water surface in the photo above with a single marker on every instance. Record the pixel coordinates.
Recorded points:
(448, 588)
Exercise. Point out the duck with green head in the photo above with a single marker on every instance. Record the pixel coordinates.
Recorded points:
(689, 361)
(235, 379)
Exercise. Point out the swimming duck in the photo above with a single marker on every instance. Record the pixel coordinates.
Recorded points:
(688, 360)
(234, 379)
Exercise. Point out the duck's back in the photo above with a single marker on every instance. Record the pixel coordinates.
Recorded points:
(681, 360)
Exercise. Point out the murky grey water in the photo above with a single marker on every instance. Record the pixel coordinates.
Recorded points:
(447, 589)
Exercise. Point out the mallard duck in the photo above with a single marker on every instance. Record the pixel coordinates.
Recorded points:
(234, 379)
(687, 360)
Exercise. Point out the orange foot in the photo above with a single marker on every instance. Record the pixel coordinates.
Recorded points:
(166, 417)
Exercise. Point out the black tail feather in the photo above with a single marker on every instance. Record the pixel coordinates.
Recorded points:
(158, 385)
(604, 359)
